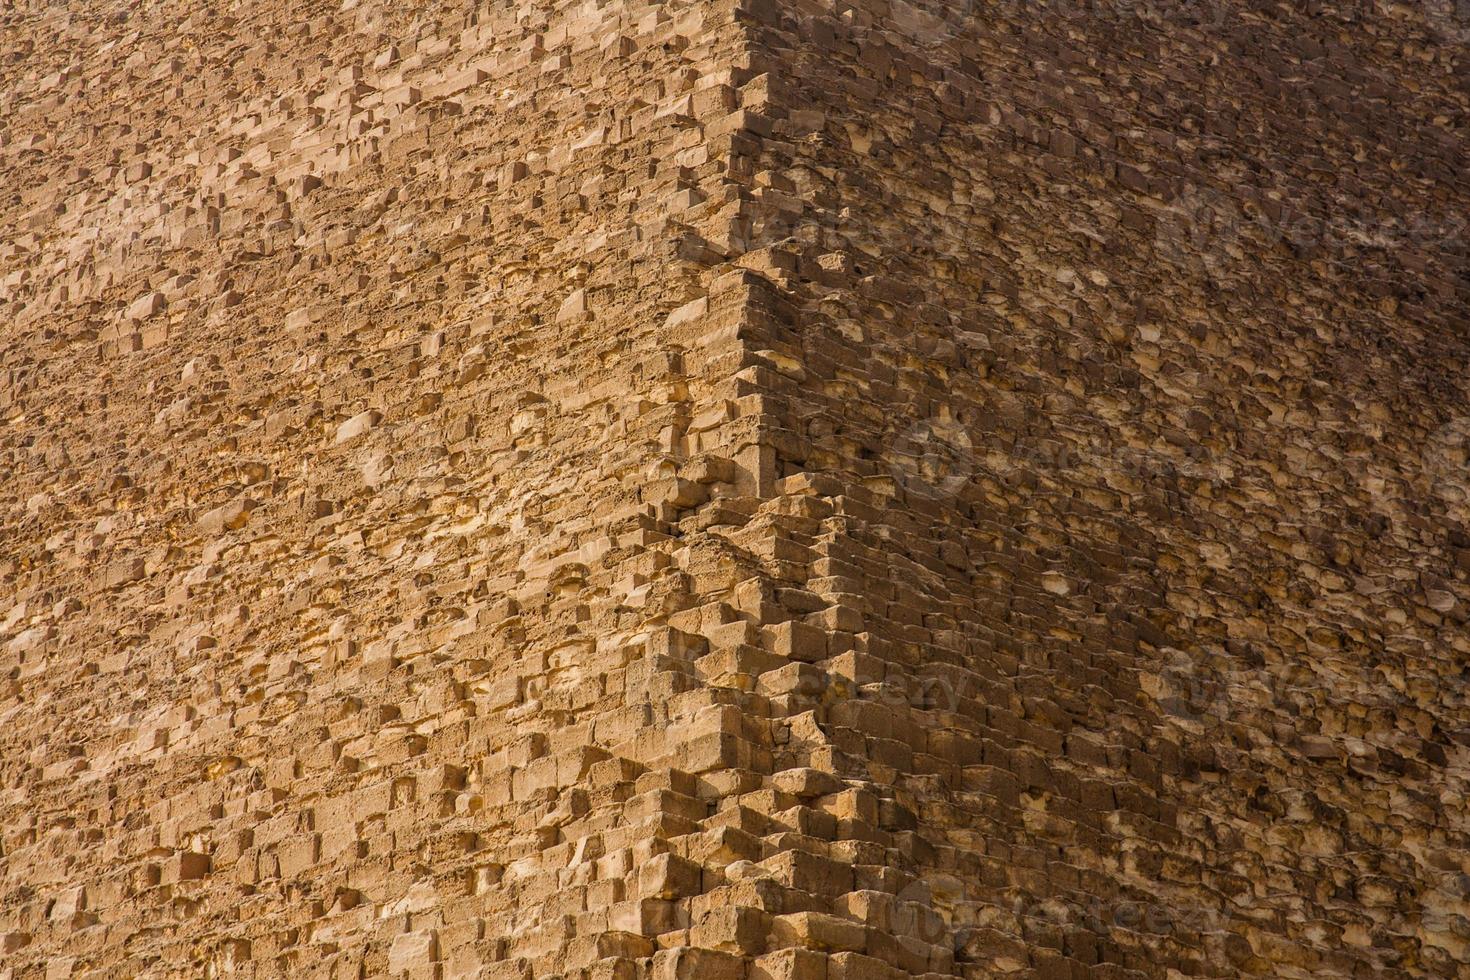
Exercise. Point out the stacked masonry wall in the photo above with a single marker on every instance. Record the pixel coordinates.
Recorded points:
(819, 492)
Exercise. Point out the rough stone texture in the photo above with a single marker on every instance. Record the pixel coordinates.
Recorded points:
(733, 490)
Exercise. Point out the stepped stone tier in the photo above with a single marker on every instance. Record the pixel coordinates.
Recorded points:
(734, 489)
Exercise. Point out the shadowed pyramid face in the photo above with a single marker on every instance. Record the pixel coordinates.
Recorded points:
(932, 24)
(1449, 19)
(735, 491)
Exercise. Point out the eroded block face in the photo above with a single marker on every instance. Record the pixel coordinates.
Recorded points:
(732, 491)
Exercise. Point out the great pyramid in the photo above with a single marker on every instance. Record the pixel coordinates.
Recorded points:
(734, 489)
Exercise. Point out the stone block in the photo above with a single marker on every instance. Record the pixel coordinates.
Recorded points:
(359, 424)
(412, 951)
(668, 876)
(790, 964)
(685, 963)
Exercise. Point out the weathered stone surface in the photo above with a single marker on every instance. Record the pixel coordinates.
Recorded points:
(733, 489)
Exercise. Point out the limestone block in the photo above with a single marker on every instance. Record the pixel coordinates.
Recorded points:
(123, 572)
(146, 306)
(186, 866)
(806, 783)
(612, 490)
(644, 917)
(227, 517)
(856, 966)
(810, 872)
(798, 641)
(814, 930)
(790, 964)
(668, 876)
(732, 929)
(413, 951)
(697, 964)
(359, 424)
